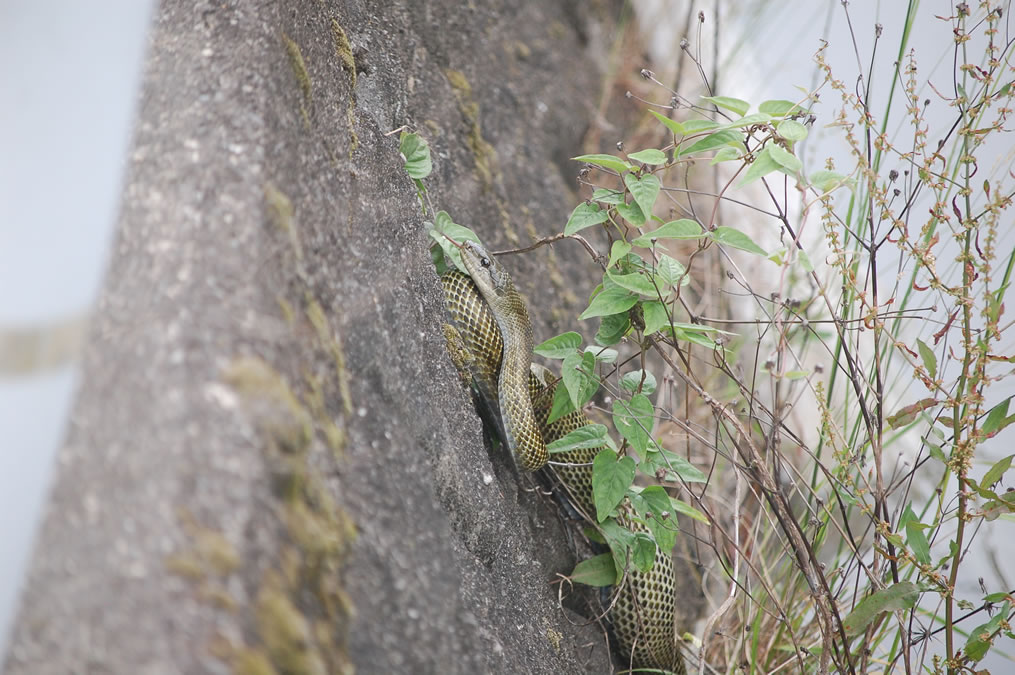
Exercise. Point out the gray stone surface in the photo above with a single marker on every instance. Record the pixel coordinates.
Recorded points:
(258, 378)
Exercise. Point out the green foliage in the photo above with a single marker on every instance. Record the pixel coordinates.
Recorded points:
(588, 436)
(416, 155)
(898, 596)
(634, 420)
(584, 215)
(560, 346)
(598, 571)
(858, 402)
(835, 304)
(611, 477)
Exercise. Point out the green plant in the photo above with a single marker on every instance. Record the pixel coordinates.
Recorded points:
(888, 330)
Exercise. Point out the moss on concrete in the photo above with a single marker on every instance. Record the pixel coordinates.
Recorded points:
(304, 586)
(280, 212)
(279, 413)
(343, 50)
(187, 565)
(252, 662)
(301, 612)
(210, 554)
(287, 310)
(482, 152)
(332, 342)
(286, 632)
(299, 68)
(334, 435)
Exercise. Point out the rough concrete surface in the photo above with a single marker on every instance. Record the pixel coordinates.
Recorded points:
(271, 466)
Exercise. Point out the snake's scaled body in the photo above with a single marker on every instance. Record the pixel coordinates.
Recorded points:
(511, 317)
(644, 611)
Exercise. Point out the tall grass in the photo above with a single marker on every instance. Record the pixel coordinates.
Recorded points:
(852, 440)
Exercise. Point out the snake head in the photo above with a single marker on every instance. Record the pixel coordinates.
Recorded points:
(491, 278)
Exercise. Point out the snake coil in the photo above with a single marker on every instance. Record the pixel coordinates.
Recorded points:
(493, 335)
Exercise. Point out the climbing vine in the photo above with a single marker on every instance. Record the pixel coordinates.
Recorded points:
(850, 416)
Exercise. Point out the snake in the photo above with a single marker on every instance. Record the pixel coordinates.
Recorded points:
(491, 338)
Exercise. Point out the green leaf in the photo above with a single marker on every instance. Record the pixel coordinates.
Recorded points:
(606, 196)
(631, 381)
(750, 120)
(632, 214)
(605, 161)
(584, 215)
(649, 156)
(737, 105)
(686, 509)
(560, 346)
(725, 154)
(916, 540)
(714, 140)
(805, 260)
(588, 436)
(620, 540)
(696, 126)
(655, 316)
(676, 127)
(416, 153)
(996, 472)
(684, 228)
(635, 282)
(737, 239)
(611, 476)
(762, 165)
(597, 571)
(981, 637)
(902, 595)
(578, 374)
(791, 130)
(643, 551)
(653, 505)
(908, 414)
(780, 108)
(673, 466)
(602, 354)
(440, 263)
(997, 418)
(613, 328)
(617, 252)
(610, 301)
(644, 190)
(562, 404)
(785, 158)
(672, 272)
(634, 420)
(1000, 507)
(826, 181)
(895, 538)
(693, 333)
(443, 225)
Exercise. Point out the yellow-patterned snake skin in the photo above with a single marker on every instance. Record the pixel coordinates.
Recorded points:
(511, 318)
(644, 611)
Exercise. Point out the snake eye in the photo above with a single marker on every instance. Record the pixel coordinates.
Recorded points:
(485, 262)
